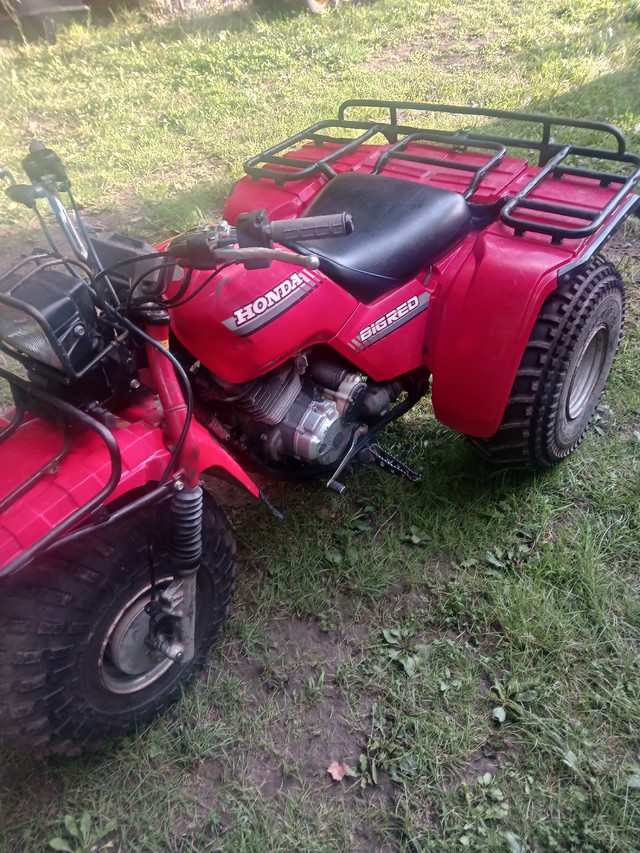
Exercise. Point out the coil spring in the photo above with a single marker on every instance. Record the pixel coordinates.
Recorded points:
(186, 529)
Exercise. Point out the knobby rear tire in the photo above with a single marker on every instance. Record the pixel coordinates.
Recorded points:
(63, 687)
(563, 371)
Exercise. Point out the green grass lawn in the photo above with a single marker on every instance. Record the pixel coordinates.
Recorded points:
(467, 648)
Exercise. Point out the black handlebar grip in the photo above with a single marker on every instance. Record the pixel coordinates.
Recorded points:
(311, 228)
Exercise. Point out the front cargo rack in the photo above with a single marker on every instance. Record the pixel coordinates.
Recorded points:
(531, 208)
(67, 416)
(93, 514)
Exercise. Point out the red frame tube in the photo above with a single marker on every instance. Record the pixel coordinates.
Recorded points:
(173, 404)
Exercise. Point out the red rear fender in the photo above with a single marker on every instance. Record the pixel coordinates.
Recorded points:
(479, 325)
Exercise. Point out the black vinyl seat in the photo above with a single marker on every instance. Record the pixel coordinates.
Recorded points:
(399, 227)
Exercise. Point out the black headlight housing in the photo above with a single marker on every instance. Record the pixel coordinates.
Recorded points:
(48, 316)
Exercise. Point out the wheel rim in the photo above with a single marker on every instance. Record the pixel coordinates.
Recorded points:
(587, 373)
(125, 664)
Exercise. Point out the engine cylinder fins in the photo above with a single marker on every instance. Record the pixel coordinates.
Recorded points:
(269, 399)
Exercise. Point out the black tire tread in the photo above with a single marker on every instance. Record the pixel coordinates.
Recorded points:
(48, 612)
(521, 440)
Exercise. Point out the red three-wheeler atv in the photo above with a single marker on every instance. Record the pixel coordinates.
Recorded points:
(360, 264)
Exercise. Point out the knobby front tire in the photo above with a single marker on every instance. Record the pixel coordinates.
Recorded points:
(74, 670)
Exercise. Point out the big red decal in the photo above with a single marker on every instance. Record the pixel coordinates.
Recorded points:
(389, 322)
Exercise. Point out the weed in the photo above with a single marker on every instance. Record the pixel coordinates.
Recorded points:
(82, 836)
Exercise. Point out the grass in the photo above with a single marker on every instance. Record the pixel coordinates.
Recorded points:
(154, 116)
(468, 647)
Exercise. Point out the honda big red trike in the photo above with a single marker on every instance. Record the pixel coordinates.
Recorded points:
(360, 264)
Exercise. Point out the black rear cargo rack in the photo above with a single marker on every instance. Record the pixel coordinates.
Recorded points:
(545, 144)
(552, 160)
(458, 140)
(513, 213)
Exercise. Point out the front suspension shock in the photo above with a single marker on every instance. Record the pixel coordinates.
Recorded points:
(178, 601)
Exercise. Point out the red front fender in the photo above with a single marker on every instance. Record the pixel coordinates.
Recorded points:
(85, 470)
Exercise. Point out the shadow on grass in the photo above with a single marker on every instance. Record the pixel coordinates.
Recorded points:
(612, 98)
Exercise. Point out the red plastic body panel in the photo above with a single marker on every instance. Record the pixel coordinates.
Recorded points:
(385, 339)
(283, 202)
(479, 324)
(483, 296)
(252, 321)
(86, 470)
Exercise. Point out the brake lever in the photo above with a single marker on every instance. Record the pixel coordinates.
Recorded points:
(25, 194)
(253, 253)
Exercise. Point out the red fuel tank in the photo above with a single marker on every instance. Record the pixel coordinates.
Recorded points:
(246, 322)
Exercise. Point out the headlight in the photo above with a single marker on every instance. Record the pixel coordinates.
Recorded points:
(23, 333)
(49, 316)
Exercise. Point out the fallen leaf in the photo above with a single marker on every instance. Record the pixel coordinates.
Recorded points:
(571, 760)
(339, 771)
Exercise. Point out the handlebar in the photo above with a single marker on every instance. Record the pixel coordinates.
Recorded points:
(5, 174)
(203, 248)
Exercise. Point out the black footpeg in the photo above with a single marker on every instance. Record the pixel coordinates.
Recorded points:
(372, 454)
(375, 455)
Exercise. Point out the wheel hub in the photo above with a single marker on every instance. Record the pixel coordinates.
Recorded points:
(587, 373)
(127, 664)
(127, 646)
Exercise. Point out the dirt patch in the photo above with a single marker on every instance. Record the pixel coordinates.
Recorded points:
(292, 698)
(297, 675)
(490, 758)
(467, 53)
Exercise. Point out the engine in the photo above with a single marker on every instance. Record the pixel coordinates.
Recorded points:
(307, 409)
